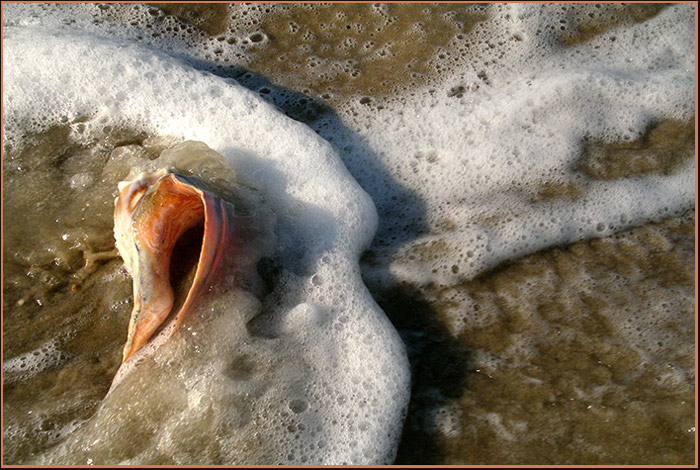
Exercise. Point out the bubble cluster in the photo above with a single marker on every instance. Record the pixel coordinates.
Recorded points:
(507, 129)
(495, 158)
(262, 392)
(30, 363)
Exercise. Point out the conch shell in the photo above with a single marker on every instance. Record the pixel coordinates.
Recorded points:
(151, 213)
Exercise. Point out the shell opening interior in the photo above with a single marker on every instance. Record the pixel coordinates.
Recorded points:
(170, 221)
(183, 263)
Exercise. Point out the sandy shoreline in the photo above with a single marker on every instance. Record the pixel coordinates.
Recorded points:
(576, 354)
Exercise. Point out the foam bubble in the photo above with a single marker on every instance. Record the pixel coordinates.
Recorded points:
(324, 221)
(479, 166)
(480, 159)
(32, 362)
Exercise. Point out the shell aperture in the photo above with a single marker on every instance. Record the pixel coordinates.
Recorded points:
(151, 214)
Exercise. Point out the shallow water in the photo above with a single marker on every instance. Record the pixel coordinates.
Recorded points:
(574, 355)
(577, 350)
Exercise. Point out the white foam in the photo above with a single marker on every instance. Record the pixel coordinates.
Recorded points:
(463, 157)
(30, 363)
(325, 221)
(472, 161)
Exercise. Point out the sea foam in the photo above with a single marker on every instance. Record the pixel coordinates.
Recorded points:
(479, 166)
(325, 379)
(480, 160)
